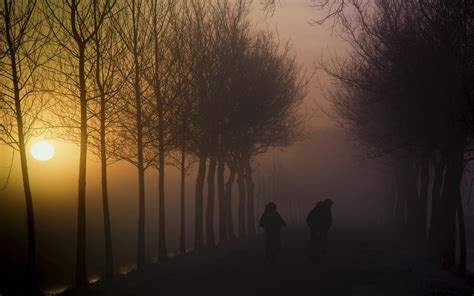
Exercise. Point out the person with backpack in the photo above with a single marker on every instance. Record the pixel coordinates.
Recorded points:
(319, 221)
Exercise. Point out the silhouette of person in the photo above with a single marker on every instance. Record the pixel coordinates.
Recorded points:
(272, 222)
(319, 221)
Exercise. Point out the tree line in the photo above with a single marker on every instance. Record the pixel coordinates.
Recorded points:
(406, 92)
(153, 83)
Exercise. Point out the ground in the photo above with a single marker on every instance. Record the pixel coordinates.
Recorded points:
(358, 263)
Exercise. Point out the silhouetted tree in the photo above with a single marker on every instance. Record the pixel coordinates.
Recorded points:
(74, 26)
(228, 199)
(21, 102)
(198, 25)
(268, 107)
(160, 77)
(232, 39)
(403, 93)
(182, 105)
(107, 111)
(136, 126)
(184, 162)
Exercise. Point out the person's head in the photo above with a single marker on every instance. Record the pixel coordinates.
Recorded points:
(328, 202)
(271, 207)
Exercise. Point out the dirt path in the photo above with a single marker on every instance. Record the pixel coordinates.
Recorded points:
(358, 263)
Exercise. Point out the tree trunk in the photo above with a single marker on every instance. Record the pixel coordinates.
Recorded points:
(162, 252)
(210, 202)
(435, 231)
(241, 185)
(251, 231)
(223, 234)
(411, 192)
(228, 191)
(449, 228)
(462, 238)
(182, 234)
(400, 206)
(109, 262)
(199, 195)
(81, 273)
(424, 184)
(141, 255)
(450, 199)
(31, 275)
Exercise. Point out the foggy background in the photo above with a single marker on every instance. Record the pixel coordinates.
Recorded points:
(328, 163)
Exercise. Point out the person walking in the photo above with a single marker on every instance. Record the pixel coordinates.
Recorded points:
(319, 221)
(272, 222)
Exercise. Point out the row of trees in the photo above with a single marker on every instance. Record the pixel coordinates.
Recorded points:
(406, 91)
(152, 83)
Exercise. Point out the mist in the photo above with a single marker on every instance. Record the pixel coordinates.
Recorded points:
(183, 148)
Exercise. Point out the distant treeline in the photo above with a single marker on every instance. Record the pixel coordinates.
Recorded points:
(407, 92)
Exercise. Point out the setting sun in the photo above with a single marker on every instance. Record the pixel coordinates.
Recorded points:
(42, 151)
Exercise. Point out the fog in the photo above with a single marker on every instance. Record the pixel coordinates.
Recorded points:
(301, 113)
(326, 165)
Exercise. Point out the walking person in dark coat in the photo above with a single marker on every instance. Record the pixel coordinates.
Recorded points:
(272, 222)
(319, 221)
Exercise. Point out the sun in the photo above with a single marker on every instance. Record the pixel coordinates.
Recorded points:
(42, 151)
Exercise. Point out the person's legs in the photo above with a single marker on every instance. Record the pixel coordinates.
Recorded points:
(268, 252)
(324, 243)
(274, 257)
(317, 247)
(312, 245)
(277, 251)
(271, 249)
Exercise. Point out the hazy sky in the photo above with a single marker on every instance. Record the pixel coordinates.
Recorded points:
(290, 21)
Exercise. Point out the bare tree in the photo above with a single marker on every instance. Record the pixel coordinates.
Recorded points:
(106, 108)
(21, 103)
(184, 114)
(268, 110)
(393, 94)
(184, 162)
(136, 128)
(247, 103)
(228, 199)
(232, 39)
(74, 28)
(163, 13)
(198, 28)
(211, 66)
